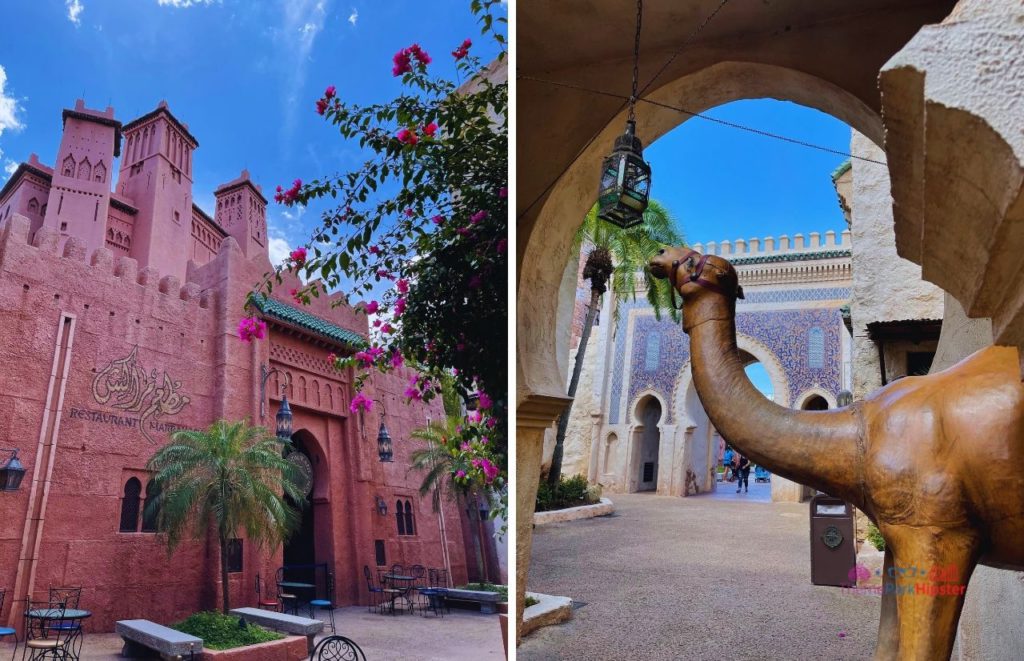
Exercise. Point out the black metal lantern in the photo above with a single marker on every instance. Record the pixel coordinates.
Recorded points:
(625, 186)
(11, 472)
(625, 182)
(284, 419)
(845, 398)
(384, 448)
(382, 506)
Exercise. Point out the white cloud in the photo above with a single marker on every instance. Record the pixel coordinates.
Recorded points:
(353, 17)
(301, 24)
(294, 215)
(279, 249)
(9, 107)
(184, 4)
(10, 167)
(75, 9)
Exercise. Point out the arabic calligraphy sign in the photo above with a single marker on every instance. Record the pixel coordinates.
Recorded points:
(125, 385)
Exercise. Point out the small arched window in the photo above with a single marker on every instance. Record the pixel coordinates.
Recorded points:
(68, 167)
(130, 505)
(400, 516)
(33, 205)
(815, 348)
(99, 172)
(85, 170)
(151, 510)
(410, 529)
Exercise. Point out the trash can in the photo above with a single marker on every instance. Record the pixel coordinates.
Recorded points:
(833, 546)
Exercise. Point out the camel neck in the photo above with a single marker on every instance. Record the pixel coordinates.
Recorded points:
(820, 449)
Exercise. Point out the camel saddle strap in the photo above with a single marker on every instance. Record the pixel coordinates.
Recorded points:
(694, 276)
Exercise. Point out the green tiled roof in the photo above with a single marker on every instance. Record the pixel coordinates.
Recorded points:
(839, 171)
(303, 319)
(789, 257)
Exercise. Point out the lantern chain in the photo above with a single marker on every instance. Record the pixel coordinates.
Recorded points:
(636, 60)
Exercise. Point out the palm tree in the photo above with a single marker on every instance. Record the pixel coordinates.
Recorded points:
(439, 466)
(616, 254)
(231, 475)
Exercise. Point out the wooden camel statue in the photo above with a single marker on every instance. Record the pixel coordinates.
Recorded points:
(937, 461)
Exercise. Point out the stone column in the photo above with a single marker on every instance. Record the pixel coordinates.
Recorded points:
(534, 415)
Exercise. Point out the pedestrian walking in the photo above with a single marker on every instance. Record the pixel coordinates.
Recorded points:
(742, 473)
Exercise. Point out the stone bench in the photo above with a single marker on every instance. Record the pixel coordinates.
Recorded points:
(142, 638)
(293, 624)
(488, 600)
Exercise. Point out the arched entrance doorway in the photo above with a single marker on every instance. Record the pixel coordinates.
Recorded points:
(815, 403)
(647, 444)
(300, 548)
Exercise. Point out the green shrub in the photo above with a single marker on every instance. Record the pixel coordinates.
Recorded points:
(531, 601)
(221, 632)
(570, 492)
(487, 587)
(875, 537)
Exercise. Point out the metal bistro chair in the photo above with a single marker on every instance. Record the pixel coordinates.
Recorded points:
(45, 642)
(263, 597)
(7, 631)
(376, 591)
(391, 593)
(67, 597)
(438, 579)
(337, 648)
(327, 603)
(286, 597)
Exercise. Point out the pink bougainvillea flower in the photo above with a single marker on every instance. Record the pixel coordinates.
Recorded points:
(492, 423)
(466, 447)
(463, 50)
(376, 323)
(402, 62)
(321, 106)
(502, 246)
(474, 281)
(250, 328)
(396, 360)
(403, 286)
(429, 346)
(460, 473)
(329, 92)
(430, 129)
(331, 357)
(399, 307)
(473, 416)
(372, 307)
(295, 296)
(484, 440)
(381, 273)
(437, 220)
(409, 213)
(407, 137)
(413, 393)
(503, 192)
(421, 55)
(485, 401)
(298, 256)
(460, 346)
(387, 328)
(360, 401)
(462, 231)
(478, 216)
(374, 250)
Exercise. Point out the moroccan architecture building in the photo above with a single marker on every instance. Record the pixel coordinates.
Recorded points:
(638, 425)
(121, 304)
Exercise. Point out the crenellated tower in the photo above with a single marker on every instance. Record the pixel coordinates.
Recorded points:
(79, 196)
(156, 175)
(242, 212)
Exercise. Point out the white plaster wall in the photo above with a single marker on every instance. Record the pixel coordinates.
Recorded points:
(886, 287)
(577, 447)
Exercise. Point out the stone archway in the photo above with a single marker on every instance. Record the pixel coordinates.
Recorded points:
(310, 544)
(647, 439)
(815, 399)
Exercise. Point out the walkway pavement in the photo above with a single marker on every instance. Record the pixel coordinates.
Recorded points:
(459, 636)
(693, 578)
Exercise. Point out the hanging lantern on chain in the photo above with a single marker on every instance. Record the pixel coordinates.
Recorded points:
(625, 186)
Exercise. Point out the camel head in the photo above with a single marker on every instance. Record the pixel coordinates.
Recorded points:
(695, 275)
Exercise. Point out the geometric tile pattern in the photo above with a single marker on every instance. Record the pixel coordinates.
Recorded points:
(784, 332)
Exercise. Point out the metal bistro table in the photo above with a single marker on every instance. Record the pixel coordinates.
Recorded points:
(403, 583)
(61, 615)
(296, 586)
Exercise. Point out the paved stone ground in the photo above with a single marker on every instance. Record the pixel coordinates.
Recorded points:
(458, 636)
(707, 577)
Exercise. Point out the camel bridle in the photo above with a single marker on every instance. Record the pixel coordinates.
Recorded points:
(696, 276)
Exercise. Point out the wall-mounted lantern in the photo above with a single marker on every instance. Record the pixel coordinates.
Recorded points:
(11, 471)
(284, 413)
(385, 450)
(382, 506)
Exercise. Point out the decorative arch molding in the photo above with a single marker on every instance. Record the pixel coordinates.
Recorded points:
(772, 365)
(803, 397)
(634, 412)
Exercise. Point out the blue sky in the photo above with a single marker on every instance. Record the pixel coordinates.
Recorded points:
(723, 183)
(243, 74)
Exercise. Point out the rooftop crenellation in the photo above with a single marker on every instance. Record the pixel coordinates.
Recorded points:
(771, 245)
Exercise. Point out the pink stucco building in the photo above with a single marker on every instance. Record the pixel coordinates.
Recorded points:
(99, 280)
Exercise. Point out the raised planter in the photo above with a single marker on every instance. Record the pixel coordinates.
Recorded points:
(604, 507)
(292, 648)
(488, 600)
(548, 610)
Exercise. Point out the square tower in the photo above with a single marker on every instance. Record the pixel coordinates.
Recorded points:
(242, 212)
(79, 197)
(156, 175)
